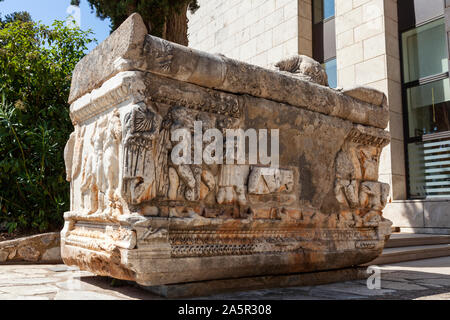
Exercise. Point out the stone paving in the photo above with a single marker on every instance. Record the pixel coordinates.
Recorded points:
(422, 280)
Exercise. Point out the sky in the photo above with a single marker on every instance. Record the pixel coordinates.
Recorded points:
(47, 11)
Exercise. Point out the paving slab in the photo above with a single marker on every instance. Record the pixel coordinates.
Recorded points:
(419, 280)
(354, 288)
(386, 284)
(443, 296)
(30, 290)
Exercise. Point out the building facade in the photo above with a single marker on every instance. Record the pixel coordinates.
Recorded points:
(400, 47)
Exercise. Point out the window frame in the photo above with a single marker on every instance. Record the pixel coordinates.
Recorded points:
(324, 63)
(323, 51)
(404, 88)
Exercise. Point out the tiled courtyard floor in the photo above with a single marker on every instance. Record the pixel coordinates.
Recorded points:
(422, 279)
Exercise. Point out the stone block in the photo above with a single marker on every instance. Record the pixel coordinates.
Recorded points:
(391, 27)
(385, 161)
(344, 39)
(372, 10)
(393, 68)
(199, 289)
(392, 46)
(374, 46)
(138, 213)
(357, 3)
(350, 55)
(395, 96)
(396, 125)
(390, 9)
(304, 47)
(349, 20)
(399, 187)
(41, 248)
(371, 70)
(305, 28)
(304, 9)
(436, 214)
(398, 157)
(369, 29)
(343, 6)
(408, 214)
(346, 77)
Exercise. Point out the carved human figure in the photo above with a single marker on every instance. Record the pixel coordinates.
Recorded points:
(141, 130)
(180, 118)
(111, 147)
(369, 157)
(73, 152)
(92, 177)
(232, 186)
(187, 181)
(98, 142)
(347, 192)
(373, 195)
(68, 155)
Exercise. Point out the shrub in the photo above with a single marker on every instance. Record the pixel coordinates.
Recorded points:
(36, 63)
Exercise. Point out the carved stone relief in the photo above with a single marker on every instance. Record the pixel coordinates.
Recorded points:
(357, 185)
(141, 130)
(267, 180)
(100, 170)
(141, 215)
(73, 153)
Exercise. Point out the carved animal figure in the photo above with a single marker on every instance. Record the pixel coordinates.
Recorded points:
(305, 68)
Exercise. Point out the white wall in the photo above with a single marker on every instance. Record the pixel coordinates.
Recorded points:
(260, 32)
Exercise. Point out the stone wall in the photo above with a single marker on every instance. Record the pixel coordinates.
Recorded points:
(368, 54)
(420, 216)
(41, 248)
(261, 32)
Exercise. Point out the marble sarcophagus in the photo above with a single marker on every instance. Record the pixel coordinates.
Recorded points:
(139, 213)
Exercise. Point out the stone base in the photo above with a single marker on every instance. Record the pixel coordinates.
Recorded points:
(205, 288)
(162, 251)
(420, 216)
(443, 231)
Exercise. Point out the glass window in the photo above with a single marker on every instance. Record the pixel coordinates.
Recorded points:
(429, 108)
(322, 10)
(429, 168)
(427, 95)
(331, 70)
(424, 51)
(328, 9)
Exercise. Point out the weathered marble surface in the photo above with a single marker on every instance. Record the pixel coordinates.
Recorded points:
(135, 215)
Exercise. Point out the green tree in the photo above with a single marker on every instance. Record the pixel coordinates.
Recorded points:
(36, 63)
(164, 18)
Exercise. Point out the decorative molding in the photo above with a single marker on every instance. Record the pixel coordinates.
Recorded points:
(124, 86)
(376, 138)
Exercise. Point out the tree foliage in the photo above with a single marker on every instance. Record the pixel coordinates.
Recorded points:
(164, 18)
(36, 63)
